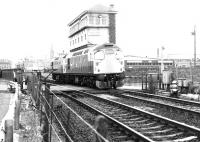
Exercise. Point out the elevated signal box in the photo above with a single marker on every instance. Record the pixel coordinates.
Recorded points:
(93, 26)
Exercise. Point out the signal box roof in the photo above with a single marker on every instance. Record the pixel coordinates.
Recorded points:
(95, 9)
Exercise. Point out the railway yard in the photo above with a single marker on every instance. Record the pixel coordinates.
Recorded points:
(131, 115)
(69, 113)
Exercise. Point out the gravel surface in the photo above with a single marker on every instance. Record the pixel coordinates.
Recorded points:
(29, 122)
(80, 132)
(165, 112)
(76, 128)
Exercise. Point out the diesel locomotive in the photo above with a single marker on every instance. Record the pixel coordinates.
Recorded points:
(100, 66)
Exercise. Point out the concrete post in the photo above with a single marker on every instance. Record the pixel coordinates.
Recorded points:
(9, 130)
(17, 108)
(45, 130)
(17, 114)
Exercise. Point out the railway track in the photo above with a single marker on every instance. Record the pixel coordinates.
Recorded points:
(131, 123)
(191, 107)
(171, 100)
(161, 105)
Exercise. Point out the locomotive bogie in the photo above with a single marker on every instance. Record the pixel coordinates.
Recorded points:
(108, 84)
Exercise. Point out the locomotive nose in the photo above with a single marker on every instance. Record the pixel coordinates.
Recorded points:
(109, 65)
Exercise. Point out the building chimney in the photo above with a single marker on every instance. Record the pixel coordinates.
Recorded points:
(157, 52)
(111, 7)
(112, 26)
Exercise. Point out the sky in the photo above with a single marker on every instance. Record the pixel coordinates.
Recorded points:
(32, 27)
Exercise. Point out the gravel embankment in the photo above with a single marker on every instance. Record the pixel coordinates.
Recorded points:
(163, 111)
(76, 128)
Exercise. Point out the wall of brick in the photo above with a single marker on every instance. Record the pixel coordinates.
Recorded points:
(112, 28)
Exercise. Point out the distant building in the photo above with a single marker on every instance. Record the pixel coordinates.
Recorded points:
(181, 61)
(93, 26)
(29, 64)
(136, 66)
(134, 62)
(185, 62)
(144, 62)
(5, 64)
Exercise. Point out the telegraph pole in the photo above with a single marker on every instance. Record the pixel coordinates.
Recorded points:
(194, 34)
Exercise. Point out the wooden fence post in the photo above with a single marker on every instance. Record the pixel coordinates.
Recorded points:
(34, 89)
(146, 82)
(142, 82)
(9, 130)
(37, 94)
(45, 131)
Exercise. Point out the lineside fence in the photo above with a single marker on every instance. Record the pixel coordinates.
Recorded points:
(55, 126)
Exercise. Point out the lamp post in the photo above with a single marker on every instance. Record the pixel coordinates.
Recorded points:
(162, 64)
(194, 34)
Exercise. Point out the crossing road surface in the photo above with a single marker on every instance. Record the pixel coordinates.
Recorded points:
(5, 97)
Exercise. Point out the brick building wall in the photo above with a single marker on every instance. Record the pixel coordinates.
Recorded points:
(112, 28)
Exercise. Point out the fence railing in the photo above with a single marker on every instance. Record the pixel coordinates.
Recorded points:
(44, 101)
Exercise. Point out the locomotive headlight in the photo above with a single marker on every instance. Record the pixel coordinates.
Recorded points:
(99, 55)
(118, 55)
(97, 66)
(97, 63)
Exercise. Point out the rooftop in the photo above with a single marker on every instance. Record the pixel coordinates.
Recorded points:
(95, 9)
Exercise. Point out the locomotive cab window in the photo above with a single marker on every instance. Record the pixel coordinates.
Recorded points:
(109, 51)
(99, 55)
